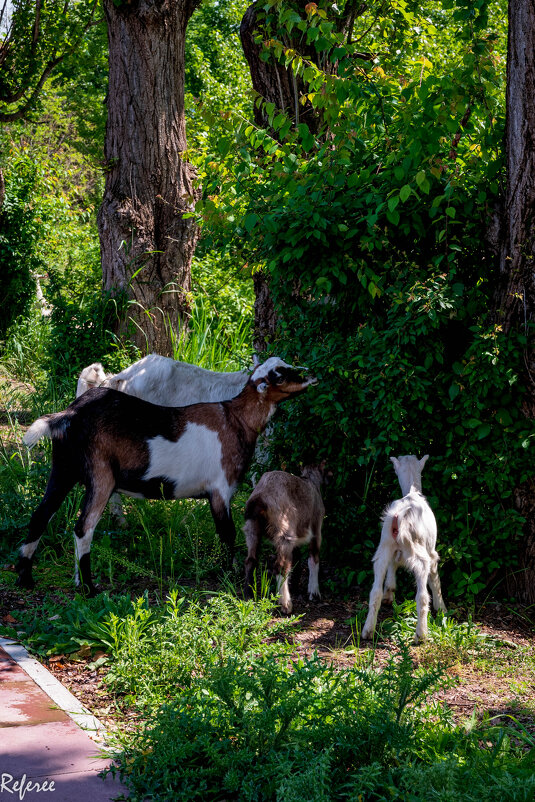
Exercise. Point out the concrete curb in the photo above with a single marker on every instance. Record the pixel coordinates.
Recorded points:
(61, 697)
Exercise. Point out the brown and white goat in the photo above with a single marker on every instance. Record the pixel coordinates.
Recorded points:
(289, 511)
(107, 440)
(167, 382)
(408, 538)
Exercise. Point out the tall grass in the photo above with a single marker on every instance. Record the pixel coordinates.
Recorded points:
(212, 342)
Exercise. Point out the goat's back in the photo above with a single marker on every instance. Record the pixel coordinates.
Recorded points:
(165, 381)
(282, 495)
(416, 522)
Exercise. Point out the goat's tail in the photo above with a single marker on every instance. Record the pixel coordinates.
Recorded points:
(53, 426)
(403, 523)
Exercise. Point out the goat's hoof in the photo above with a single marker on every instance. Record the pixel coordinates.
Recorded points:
(366, 634)
(25, 582)
(418, 639)
(89, 591)
(286, 609)
(314, 596)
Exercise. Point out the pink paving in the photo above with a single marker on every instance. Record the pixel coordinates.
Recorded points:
(40, 743)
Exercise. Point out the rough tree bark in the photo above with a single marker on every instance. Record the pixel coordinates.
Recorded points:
(146, 245)
(516, 298)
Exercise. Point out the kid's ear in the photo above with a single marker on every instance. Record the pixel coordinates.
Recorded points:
(423, 461)
(395, 462)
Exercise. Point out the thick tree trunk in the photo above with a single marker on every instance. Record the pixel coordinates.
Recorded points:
(516, 300)
(146, 245)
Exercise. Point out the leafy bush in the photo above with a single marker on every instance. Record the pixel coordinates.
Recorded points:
(20, 229)
(372, 235)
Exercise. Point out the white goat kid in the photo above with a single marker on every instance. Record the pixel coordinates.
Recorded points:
(408, 538)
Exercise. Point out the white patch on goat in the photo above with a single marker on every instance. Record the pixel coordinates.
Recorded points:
(193, 463)
(313, 584)
(272, 363)
(283, 589)
(28, 549)
(82, 545)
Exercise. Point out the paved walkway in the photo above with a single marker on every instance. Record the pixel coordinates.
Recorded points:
(44, 753)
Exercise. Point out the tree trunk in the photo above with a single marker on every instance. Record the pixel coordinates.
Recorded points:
(146, 245)
(516, 299)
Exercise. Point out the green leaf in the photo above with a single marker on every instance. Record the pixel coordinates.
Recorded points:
(404, 192)
(454, 391)
(420, 177)
(250, 221)
(483, 431)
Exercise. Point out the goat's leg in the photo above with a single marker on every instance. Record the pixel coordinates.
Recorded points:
(283, 567)
(96, 498)
(421, 568)
(434, 583)
(390, 582)
(224, 525)
(252, 538)
(313, 566)
(116, 510)
(59, 484)
(381, 562)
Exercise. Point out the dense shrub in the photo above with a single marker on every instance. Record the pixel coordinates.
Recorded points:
(372, 234)
(20, 228)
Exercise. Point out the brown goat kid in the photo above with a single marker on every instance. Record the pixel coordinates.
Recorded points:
(289, 511)
(109, 441)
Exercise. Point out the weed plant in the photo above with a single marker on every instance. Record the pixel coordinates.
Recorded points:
(279, 730)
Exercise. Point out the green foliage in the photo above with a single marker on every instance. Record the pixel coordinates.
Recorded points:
(217, 79)
(35, 38)
(188, 636)
(21, 227)
(372, 233)
(80, 625)
(303, 730)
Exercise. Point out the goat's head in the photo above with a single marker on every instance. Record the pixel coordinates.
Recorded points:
(278, 380)
(318, 474)
(409, 472)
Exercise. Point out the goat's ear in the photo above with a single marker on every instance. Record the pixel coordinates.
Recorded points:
(262, 387)
(423, 461)
(395, 462)
(256, 361)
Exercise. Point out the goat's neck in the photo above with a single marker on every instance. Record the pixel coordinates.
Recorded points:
(252, 409)
(410, 487)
